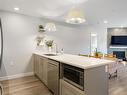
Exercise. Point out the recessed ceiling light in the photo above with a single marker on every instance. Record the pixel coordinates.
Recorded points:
(105, 21)
(16, 9)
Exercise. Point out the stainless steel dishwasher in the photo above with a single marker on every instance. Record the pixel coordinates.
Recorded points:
(53, 76)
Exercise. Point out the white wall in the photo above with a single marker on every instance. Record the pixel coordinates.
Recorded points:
(73, 39)
(101, 31)
(19, 42)
(20, 32)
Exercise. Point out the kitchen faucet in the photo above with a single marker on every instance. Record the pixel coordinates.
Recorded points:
(56, 48)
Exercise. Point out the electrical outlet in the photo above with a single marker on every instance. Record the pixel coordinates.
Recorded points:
(11, 63)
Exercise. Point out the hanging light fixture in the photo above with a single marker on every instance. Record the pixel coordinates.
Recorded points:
(75, 16)
(50, 27)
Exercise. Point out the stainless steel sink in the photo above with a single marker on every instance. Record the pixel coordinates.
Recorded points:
(50, 54)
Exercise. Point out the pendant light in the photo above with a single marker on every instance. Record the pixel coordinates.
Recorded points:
(75, 16)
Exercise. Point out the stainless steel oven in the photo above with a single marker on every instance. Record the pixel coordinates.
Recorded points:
(73, 75)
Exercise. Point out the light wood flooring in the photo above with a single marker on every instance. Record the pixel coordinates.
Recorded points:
(33, 86)
(118, 86)
(25, 86)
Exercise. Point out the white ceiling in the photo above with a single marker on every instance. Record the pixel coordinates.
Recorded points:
(39, 8)
(115, 11)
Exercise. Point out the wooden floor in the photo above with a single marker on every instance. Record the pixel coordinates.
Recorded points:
(33, 86)
(25, 86)
(118, 87)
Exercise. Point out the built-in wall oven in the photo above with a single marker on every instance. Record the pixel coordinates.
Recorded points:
(73, 75)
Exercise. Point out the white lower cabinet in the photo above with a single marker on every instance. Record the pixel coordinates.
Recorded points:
(68, 89)
(43, 70)
(40, 68)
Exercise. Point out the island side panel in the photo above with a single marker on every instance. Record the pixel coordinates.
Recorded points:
(96, 81)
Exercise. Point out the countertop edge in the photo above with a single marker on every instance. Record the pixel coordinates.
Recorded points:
(77, 65)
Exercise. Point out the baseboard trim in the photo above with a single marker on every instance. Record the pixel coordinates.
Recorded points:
(16, 76)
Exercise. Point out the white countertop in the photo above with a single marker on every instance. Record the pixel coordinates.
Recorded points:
(78, 61)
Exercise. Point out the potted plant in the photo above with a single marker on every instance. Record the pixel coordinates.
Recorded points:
(49, 44)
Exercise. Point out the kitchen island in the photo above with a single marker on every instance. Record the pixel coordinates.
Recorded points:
(50, 69)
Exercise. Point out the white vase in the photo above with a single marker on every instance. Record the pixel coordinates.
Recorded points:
(49, 49)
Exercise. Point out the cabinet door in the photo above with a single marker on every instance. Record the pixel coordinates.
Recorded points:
(40, 68)
(36, 65)
(68, 89)
(43, 70)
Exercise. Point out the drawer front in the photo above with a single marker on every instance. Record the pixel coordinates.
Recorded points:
(68, 89)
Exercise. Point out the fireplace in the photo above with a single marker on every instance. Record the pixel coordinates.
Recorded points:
(119, 54)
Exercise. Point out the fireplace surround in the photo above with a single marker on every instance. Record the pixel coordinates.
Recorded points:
(120, 54)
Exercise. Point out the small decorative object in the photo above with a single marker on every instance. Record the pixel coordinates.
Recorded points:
(41, 28)
(62, 51)
(98, 54)
(39, 40)
(49, 44)
(50, 27)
